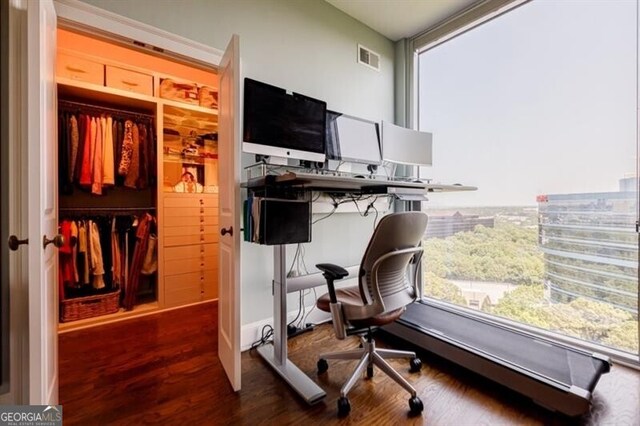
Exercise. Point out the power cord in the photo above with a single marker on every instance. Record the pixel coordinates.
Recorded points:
(266, 337)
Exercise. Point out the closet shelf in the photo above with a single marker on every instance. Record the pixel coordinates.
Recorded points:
(81, 91)
(199, 160)
(168, 103)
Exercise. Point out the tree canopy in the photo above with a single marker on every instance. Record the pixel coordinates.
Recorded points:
(509, 253)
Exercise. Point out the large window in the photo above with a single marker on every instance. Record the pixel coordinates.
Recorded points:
(538, 109)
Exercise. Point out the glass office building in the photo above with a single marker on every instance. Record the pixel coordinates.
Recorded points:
(443, 226)
(590, 246)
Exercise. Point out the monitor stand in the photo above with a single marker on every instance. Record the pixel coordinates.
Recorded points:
(278, 161)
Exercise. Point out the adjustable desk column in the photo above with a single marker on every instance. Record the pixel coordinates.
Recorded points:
(276, 354)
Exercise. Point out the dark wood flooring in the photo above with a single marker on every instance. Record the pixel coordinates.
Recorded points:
(163, 369)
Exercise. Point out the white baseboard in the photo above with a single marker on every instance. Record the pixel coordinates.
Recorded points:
(252, 332)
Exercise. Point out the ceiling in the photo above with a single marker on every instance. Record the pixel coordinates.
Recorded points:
(396, 19)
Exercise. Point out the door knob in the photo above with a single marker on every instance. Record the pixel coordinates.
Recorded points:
(58, 241)
(225, 231)
(14, 242)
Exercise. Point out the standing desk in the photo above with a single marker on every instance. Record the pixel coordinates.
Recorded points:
(276, 353)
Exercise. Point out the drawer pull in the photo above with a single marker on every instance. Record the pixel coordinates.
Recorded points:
(130, 83)
(72, 69)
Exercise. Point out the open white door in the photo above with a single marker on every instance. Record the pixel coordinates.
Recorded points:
(229, 184)
(42, 201)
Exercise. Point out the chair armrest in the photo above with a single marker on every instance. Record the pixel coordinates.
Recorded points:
(334, 272)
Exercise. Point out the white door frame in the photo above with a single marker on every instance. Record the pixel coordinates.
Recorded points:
(18, 218)
(72, 14)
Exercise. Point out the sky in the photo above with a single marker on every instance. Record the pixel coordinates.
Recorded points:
(541, 100)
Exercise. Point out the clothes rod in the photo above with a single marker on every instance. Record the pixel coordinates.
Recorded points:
(65, 104)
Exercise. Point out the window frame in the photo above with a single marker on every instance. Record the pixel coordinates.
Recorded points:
(470, 18)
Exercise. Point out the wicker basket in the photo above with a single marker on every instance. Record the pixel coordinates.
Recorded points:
(89, 306)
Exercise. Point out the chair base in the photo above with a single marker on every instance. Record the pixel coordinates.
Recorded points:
(370, 356)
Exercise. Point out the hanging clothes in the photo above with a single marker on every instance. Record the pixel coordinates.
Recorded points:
(64, 154)
(74, 251)
(144, 160)
(75, 142)
(116, 272)
(77, 166)
(150, 263)
(127, 149)
(65, 256)
(131, 179)
(108, 173)
(142, 240)
(97, 265)
(83, 254)
(96, 184)
(87, 156)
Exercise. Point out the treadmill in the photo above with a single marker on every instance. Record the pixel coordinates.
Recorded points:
(555, 376)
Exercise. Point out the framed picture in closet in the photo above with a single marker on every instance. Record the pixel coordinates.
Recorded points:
(191, 179)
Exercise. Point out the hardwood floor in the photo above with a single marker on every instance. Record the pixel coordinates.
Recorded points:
(164, 369)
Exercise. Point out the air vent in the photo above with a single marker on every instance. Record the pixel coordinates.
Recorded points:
(368, 57)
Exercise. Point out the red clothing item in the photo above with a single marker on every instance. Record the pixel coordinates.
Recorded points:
(67, 272)
(85, 170)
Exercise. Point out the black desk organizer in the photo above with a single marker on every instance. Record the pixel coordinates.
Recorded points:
(282, 217)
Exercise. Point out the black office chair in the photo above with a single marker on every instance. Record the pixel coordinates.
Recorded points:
(381, 297)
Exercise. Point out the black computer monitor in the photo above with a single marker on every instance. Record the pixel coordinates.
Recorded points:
(282, 125)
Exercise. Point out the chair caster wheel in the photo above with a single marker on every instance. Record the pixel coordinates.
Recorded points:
(343, 406)
(415, 406)
(323, 365)
(415, 365)
(369, 371)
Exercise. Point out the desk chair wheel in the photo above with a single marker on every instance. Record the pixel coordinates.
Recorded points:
(323, 365)
(343, 406)
(415, 406)
(415, 365)
(369, 371)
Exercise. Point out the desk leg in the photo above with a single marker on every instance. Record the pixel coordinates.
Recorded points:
(276, 354)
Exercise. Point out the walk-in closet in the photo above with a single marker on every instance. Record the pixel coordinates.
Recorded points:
(137, 182)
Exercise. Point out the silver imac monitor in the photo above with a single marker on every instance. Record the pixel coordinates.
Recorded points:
(405, 146)
(352, 139)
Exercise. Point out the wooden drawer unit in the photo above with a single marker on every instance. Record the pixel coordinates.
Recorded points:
(183, 289)
(131, 81)
(195, 251)
(190, 243)
(172, 217)
(210, 284)
(201, 229)
(191, 200)
(183, 240)
(79, 69)
(190, 287)
(182, 266)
